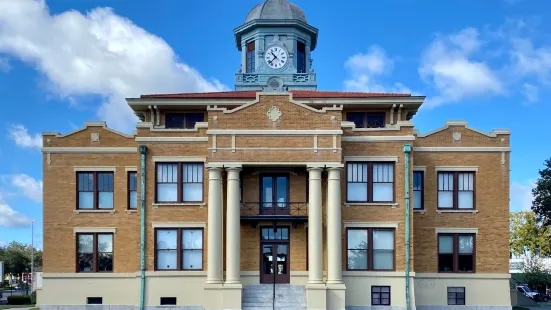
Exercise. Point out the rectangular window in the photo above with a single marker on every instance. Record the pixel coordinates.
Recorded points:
(456, 252)
(168, 301)
(250, 57)
(94, 300)
(301, 57)
(370, 182)
(367, 119)
(370, 249)
(95, 190)
(183, 120)
(94, 252)
(456, 296)
(179, 182)
(418, 188)
(380, 295)
(179, 249)
(456, 190)
(132, 190)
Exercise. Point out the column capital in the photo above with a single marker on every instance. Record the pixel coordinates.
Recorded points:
(214, 166)
(314, 168)
(234, 168)
(334, 168)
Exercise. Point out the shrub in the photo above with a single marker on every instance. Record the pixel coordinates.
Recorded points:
(19, 300)
(33, 298)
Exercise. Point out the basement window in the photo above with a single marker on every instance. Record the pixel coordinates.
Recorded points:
(94, 300)
(166, 301)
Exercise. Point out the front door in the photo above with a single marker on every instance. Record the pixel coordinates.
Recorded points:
(274, 195)
(274, 255)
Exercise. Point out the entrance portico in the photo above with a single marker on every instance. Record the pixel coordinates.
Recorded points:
(274, 207)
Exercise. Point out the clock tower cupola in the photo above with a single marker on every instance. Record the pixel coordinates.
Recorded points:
(275, 43)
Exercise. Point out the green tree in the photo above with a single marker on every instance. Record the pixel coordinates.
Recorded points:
(536, 275)
(17, 258)
(528, 234)
(542, 194)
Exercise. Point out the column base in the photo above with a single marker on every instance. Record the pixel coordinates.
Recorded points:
(336, 296)
(316, 296)
(222, 296)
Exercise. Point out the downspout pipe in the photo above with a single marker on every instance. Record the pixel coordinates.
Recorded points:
(407, 151)
(143, 152)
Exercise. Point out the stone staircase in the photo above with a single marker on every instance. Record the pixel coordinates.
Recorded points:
(260, 297)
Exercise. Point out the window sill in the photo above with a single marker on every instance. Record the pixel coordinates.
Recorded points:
(131, 211)
(420, 211)
(110, 211)
(456, 211)
(178, 204)
(372, 204)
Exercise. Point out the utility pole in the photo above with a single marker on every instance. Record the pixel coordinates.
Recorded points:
(32, 255)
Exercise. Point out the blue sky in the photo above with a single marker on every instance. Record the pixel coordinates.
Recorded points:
(65, 62)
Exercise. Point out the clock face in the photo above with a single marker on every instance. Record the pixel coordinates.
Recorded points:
(276, 57)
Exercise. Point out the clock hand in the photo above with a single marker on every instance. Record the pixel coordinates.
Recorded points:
(273, 54)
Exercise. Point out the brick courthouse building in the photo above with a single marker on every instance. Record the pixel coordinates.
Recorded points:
(217, 196)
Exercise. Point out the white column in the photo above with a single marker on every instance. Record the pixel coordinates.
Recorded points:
(214, 226)
(334, 235)
(233, 227)
(314, 227)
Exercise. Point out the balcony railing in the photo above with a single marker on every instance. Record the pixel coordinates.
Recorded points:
(277, 209)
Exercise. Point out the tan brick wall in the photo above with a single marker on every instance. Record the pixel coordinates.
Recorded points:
(491, 197)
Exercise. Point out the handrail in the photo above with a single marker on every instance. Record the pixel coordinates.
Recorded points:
(283, 208)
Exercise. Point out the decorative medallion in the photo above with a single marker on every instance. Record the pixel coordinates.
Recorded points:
(94, 137)
(456, 136)
(274, 114)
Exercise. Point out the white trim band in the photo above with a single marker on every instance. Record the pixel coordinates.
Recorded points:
(94, 168)
(377, 138)
(179, 224)
(172, 139)
(419, 168)
(274, 163)
(371, 158)
(160, 159)
(106, 230)
(131, 169)
(461, 149)
(280, 132)
(371, 224)
(451, 230)
(456, 168)
(90, 150)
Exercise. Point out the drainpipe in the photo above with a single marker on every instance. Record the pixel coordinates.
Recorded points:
(143, 152)
(407, 151)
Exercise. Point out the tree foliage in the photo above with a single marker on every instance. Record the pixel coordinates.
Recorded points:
(17, 258)
(528, 234)
(542, 194)
(536, 275)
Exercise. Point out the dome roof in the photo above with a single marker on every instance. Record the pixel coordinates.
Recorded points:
(276, 9)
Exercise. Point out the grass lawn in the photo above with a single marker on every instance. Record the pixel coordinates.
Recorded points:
(18, 306)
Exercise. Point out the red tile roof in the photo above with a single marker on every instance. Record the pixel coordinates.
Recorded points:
(251, 94)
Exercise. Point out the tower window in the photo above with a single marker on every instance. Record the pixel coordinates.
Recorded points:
(301, 57)
(250, 57)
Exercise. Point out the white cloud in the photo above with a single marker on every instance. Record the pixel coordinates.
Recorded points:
(3, 243)
(20, 135)
(528, 60)
(449, 66)
(11, 218)
(100, 53)
(521, 196)
(531, 92)
(31, 187)
(366, 71)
